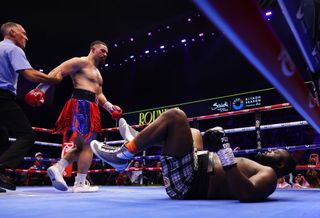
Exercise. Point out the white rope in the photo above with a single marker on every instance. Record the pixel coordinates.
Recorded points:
(270, 126)
(40, 143)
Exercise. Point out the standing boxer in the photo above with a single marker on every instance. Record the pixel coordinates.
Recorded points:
(13, 62)
(79, 120)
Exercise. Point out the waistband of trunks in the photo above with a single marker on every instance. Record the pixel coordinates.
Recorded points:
(204, 169)
(84, 95)
(206, 159)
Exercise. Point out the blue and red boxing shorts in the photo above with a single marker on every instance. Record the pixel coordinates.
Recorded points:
(80, 117)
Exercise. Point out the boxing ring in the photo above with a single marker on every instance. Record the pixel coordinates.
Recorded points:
(148, 201)
(152, 201)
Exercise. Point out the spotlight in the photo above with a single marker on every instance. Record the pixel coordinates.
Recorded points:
(268, 13)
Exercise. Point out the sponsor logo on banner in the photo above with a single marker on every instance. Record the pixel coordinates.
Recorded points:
(221, 107)
(252, 101)
(237, 104)
(149, 116)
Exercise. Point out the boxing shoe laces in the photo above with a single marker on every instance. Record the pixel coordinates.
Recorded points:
(117, 157)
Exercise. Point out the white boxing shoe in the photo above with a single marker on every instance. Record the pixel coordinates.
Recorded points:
(126, 131)
(55, 174)
(84, 187)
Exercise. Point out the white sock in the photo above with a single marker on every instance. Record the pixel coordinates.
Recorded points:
(81, 178)
(63, 163)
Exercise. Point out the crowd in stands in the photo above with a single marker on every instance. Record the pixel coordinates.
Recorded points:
(310, 178)
(135, 174)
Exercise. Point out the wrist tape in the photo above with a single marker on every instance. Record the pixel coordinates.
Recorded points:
(227, 158)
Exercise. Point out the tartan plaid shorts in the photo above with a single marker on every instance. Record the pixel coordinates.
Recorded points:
(178, 174)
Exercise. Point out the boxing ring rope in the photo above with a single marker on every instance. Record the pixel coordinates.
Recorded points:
(298, 167)
(269, 126)
(236, 152)
(228, 131)
(223, 114)
(243, 129)
(157, 157)
(42, 129)
(308, 167)
(206, 117)
(89, 171)
(41, 143)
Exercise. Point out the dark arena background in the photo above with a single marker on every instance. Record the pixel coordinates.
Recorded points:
(162, 54)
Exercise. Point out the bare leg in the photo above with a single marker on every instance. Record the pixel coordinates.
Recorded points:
(85, 159)
(172, 130)
(73, 155)
(197, 139)
(82, 149)
(83, 154)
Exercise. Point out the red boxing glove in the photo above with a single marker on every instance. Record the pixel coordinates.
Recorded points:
(35, 98)
(117, 113)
